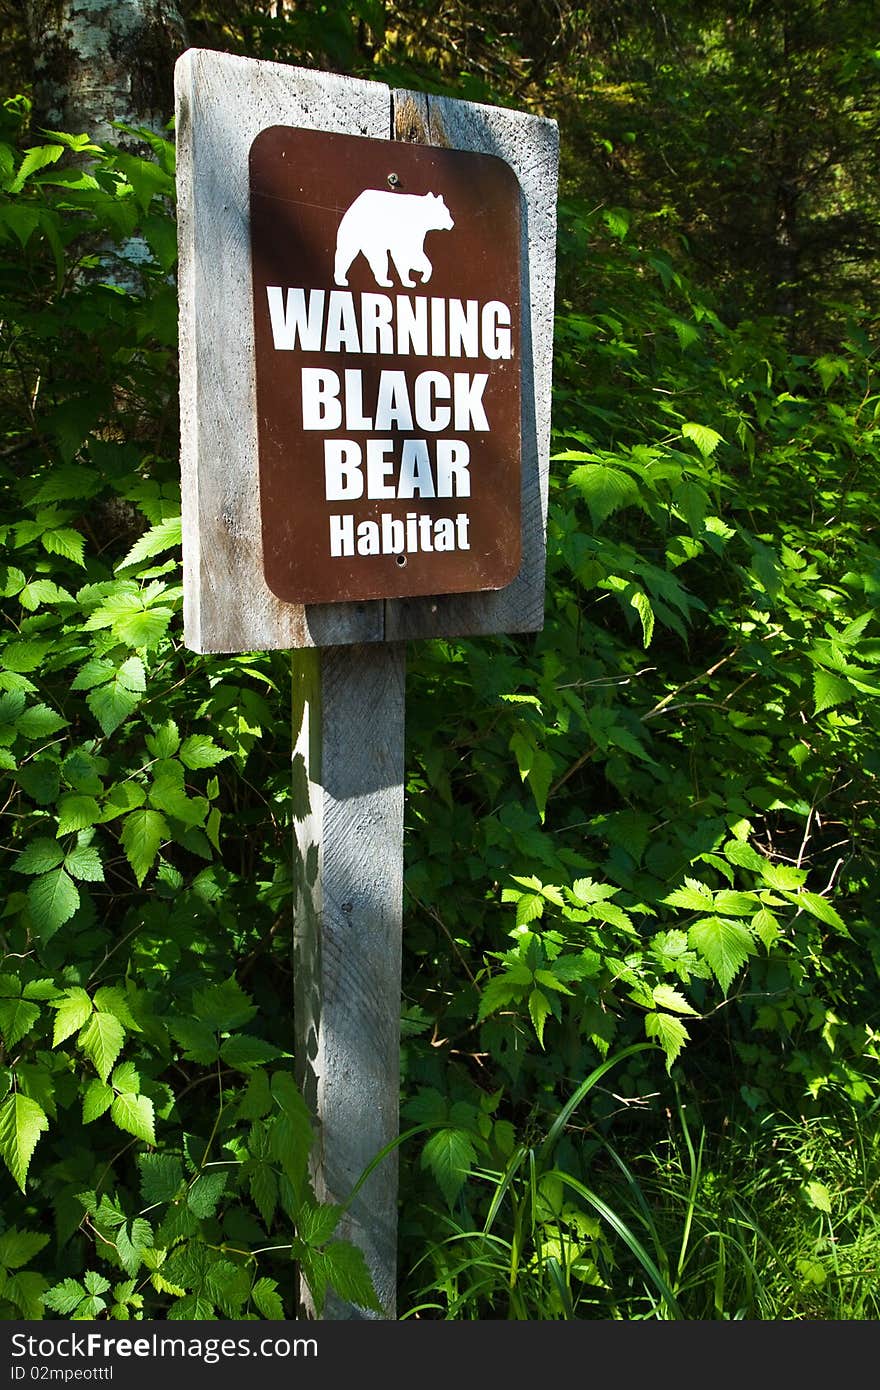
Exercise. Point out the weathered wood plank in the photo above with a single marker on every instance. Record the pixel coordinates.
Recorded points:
(348, 725)
(223, 102)
(530, 145)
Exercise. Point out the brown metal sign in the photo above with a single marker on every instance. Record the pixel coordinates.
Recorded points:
(387, 337)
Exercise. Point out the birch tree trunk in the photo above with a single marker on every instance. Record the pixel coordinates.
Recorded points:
(99, 61)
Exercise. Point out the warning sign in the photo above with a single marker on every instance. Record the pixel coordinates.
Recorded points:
(386, 286)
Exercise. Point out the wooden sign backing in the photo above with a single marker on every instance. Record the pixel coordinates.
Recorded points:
(224, 103)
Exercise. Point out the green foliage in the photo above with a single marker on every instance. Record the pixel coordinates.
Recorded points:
(772, 1221)
(696, 867)
(144, 1106)
(646, 837)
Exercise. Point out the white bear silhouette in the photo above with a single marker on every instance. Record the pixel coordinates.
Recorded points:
(380, 224)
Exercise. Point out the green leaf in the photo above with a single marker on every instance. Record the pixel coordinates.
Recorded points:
(706, 439)
(499, 991)
(37, 157)
(450, 1155)
(243, 1052)
(66, 542)
(735, 904)
(12, 704)
(26, 1290)
(114, 1000)
(670, 1033)
(693, 897)
(193, 1308)
(18, 1247)
(143, 629)
(73, 1010)
(132, 676)
(40, 722)
(134, 1114)
(204, 1196)
(256, 1100)
(43, 990)
(819, 1196)
(22, 1122)
(642, 604)
(665, 997)
(11, 581)
(264, 1191)
(821, 908)
(112, 704)
(267, 1300)
(52, 899)
(529, 908)
(124, 796)
(132, 1239)
(201, 751)
(198, 1041)
(744, 856)
(80, 770)
(311, 1268)
(24, 656)
(40, 781)
(39, 856)
(223, 1007)
(161, 1177)
(605, 489)
(126, 1077)
(17, 1017)
(163, 536)
(40, 591)
(317, 1222)
(829, 690)
(346, 1270)
(142, 834)
(77, 812)
(65, 1297)
(290, 1133)
(168, 794)
(585, 890)
(164, 741)
(540, 778)
(101, 1040)
(725, 946)
(84, 863)
(97, 1098)
(783, 876)
(539, 1008)
(766, 927)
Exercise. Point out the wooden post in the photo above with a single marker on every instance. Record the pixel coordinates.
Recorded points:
(348, 661)
(348, 722)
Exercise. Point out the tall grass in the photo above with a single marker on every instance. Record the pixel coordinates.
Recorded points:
(772, 1220)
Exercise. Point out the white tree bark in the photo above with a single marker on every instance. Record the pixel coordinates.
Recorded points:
(100, 61)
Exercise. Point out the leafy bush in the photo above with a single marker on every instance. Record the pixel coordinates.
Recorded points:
(647, 836)
(144, 1108)
(668, 798)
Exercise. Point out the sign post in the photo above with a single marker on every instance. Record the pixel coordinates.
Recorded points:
(366, 289)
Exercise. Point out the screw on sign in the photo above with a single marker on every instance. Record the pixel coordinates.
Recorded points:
(386, 329)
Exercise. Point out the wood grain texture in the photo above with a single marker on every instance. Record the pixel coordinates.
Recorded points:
(222, 103)
(348, 726)
(530, 145)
